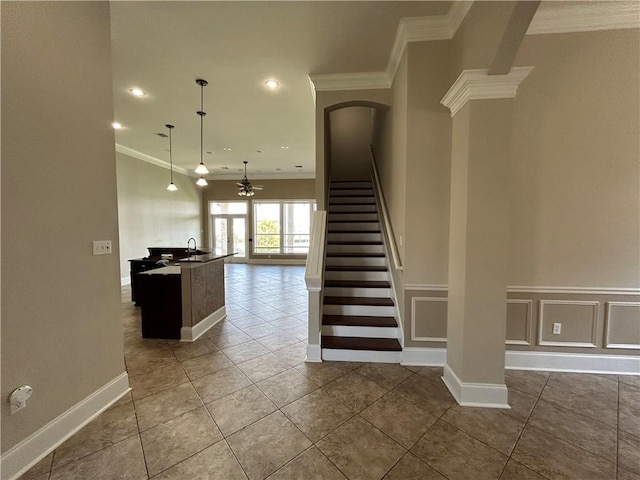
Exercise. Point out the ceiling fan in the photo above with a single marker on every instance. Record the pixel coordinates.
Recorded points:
(245, 188)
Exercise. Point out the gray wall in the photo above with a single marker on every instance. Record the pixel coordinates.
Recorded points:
(350, 130)
(61, 327)
(150, 215)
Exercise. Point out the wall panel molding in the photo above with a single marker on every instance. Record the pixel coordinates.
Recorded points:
(539, 289)
(414, 301)
(529, 304)
(610, 319)
(594, 323)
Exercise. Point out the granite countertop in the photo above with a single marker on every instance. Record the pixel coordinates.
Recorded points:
(168, 270)
(208, 257)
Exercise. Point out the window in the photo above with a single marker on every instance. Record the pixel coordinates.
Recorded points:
(224, 208)
(282, 227)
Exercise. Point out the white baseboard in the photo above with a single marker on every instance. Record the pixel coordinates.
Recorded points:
(486, 395)
(423, 357)
(38, 445)
(314, 354)
(540, 361)
(125, 281)
(276, 261)
(572, 362)
(191, 334)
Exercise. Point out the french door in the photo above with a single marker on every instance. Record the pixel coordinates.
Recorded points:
(229, 235)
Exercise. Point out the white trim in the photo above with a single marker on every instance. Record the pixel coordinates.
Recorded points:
(634, 346)
(435, 287)
(425, 357)
(537, 361)
(153, 160)
(125, 281)
(487, 395)
(314, 354)
(276, 261)
(261, 176)
(594, 323)
(38, 445)
(542, 289)
(479, 85)
(356, 331)
(314, 268)
(191, 334)
(371, 356)
(529, 303)
(415, 338)
(327, 82)
(565, 17)
(383, 215)
(572, 362)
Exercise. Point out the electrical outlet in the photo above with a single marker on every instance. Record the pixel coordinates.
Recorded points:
(102, 247)
(557, 328)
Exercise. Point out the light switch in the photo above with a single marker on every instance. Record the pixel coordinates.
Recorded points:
(102, 247)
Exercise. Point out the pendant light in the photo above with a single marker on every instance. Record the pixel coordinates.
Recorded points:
(202, 182)
(201, 169)
(171, 187)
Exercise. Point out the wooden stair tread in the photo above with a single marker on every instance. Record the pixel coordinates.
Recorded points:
(354, 242)
(359, 321)
(356, 268)
(356, 284)
(355, 254)
(351, 203)
(361, 343)
(353, 231)
(366, 301)
(352, 221)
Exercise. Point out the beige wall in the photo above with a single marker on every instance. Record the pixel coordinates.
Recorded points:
(150, 215)
(303, 189)
(61, 329)
(575, 173)
(350, 131)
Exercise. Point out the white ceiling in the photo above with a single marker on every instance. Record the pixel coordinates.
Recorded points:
(162, 47)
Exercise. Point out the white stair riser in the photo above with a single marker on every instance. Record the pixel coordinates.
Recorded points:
(355, 184)
(337, 192)
(353, 237)
(365, 310)
(341, 200)
(354, 226)
(353, 216)
(374, 276)
(364, 261)
(372, 356)
(360, 332)
(357, 292)
(352, 208)
(355, 248)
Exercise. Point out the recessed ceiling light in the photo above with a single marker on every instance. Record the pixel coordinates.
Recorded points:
(209, 153)
(284, 147)
(227, 149)
(298, 166)
(163, 135)
(116, 125)
(272, 84)
(138, 92)
(278, 169)
(258, 151)
(224, 168)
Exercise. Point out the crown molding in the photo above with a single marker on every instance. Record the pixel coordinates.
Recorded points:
(349, 81)
(153, 160)
(567, 17)
(479, 85)
(262, 176)
(410, 29)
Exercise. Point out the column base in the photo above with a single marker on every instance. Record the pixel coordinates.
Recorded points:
(486, 395)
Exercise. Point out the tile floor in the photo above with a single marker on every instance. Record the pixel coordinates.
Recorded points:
(241, 403)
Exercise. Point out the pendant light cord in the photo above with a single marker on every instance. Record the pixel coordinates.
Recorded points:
(202, 114)
(170, 154)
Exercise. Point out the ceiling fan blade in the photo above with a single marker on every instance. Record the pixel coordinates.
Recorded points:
(258, 187)
(240, 184)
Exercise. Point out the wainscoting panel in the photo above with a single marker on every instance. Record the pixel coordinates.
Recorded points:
(578, 322)
(622, 325)
(595, 320)
(432, 312)
(519, 314)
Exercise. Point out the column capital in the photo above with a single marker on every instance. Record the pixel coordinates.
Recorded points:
(479, 85)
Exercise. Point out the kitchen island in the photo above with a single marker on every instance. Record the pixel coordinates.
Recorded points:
(183, 300)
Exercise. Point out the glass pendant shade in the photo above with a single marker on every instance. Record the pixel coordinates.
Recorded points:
(201, 169)
(202, 182)
(172, 187)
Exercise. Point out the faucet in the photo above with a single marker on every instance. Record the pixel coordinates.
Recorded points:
(195, 247)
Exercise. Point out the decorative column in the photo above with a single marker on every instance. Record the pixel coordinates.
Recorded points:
(481, 107)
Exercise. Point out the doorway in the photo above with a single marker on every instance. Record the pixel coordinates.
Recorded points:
(229, 230)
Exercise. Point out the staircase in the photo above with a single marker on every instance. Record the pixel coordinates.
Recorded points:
(358, 322)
